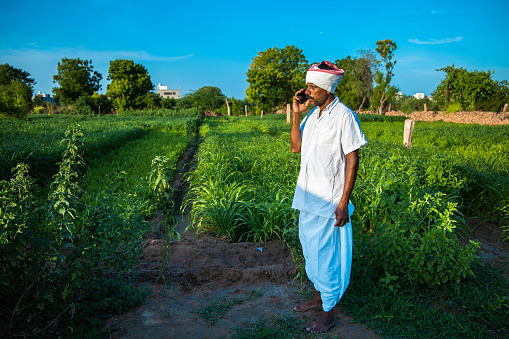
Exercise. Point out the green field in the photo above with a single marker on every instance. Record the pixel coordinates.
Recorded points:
(79, 211)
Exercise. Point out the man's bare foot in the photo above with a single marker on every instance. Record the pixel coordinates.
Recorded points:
(308, 305)
(322, 324)
(316, 302)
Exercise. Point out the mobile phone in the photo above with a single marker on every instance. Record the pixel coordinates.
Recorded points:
(302, 97)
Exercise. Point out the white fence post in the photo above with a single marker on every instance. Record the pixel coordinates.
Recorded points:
(407, 135)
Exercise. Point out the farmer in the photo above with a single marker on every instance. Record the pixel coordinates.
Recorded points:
(329, 138)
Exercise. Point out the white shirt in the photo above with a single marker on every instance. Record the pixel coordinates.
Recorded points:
(325, 141)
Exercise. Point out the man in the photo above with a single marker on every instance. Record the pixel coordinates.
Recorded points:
(329, 139)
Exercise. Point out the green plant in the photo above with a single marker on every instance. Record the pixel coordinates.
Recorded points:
(160, 187)
(274, 328)
(454, 107)
(38, 109)
(217, 309)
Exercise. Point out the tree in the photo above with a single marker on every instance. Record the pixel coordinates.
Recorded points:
(150, 100)
(468, 89)
(275, 75)
(169, 103)
(356, 87)
(384, 90)
(129, 81)
(12, 106)
(237, 108)
(365, 70)
(76, 78)
(16, 88)
(207, 98)
(95, 104)
(9, 73)
(344, 91)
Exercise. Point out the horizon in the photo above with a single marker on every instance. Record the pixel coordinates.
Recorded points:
(207, 44)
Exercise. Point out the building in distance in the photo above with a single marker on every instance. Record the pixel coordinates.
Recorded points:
(164, 92)
(45, 98)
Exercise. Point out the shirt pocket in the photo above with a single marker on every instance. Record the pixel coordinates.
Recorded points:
(326, 138)
(325, 149)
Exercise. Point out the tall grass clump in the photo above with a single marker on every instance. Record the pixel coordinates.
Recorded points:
(234, 191)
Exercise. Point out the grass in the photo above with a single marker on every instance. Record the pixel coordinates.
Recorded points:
(217, 309)
(478, 307)
(135, 158)
(275, 328)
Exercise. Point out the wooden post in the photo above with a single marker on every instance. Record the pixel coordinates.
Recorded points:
(407, 135)
(389, 108)
(425, 108)
(245, 109)
(505, 111)
(287, 114)
(261, 114)
(227, 105)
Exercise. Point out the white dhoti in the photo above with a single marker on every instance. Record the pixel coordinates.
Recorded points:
(327, 250)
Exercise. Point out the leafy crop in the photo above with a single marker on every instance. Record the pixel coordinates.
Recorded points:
(59, 251)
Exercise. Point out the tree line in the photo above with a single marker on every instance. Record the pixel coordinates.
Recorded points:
(276, 74)
(77, 89)
(273, 77)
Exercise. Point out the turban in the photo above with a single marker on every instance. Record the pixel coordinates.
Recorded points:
(325, 75)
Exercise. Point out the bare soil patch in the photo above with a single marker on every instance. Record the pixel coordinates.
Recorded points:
(480, 118)
(203, 269)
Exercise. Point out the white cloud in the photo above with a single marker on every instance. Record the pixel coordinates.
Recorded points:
(436, 42)
(83, 53)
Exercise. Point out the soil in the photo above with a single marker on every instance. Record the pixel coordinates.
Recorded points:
(480, 118)
(203, 269)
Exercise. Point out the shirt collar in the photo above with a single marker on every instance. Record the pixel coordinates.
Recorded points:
(328, 109)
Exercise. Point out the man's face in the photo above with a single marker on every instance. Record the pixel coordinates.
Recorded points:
(317, 96)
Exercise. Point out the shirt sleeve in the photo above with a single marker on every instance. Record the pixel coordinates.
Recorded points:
(352, 137)
(304, 121)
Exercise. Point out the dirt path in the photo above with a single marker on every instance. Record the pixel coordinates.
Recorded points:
(202, 270)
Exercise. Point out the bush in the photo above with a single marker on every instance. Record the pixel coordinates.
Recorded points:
(102, 104)
(419, 246)
(84, 105)
(454, 107)
(38, 109)
(88, 105)
(12, 107)
(408, 215)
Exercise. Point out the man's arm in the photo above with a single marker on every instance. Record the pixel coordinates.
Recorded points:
(295, 138)
(352, 165)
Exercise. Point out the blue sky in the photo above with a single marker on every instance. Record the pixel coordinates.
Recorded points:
(192, 44)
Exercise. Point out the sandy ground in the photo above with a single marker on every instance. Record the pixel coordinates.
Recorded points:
(480, 118)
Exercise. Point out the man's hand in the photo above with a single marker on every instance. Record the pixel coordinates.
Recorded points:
(342, 216)
(297, 106)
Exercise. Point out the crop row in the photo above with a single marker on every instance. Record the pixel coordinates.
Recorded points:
(71, 245)
(408, 202)
(35, 142)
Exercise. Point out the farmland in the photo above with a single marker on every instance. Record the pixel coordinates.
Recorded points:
(412, 205)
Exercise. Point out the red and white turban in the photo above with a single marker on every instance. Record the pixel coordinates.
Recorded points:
(327, 79)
